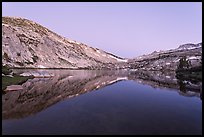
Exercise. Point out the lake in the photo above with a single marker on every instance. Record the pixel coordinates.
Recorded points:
(102, 102)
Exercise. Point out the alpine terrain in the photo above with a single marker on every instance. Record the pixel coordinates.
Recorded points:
(26, 44)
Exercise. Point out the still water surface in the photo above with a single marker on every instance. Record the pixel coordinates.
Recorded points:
(84, 102)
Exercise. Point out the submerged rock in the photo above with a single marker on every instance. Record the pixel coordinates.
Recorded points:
(13, 88)
(37, 74)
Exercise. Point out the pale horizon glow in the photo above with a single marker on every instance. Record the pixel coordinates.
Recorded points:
(126, 29)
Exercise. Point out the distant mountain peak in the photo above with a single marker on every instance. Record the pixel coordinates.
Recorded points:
(190, 46)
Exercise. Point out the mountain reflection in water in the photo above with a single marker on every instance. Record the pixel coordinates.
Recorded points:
(40, 93)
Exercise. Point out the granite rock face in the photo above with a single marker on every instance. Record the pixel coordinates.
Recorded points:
(26, 44)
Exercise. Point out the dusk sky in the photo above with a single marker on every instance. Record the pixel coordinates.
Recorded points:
(124, 29)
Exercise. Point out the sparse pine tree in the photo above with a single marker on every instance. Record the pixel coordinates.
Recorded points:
(184, 63)
(201, 60)
(181, 64)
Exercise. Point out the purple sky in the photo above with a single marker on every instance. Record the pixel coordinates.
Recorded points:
(124, 29)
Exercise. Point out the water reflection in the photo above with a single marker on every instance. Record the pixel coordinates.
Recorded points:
(182, 86)
(159, 79)
(40, 93)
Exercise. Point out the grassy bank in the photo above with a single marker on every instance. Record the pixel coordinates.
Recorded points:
(6, 70)
(16, 80)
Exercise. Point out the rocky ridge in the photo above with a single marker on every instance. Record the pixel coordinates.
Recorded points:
(26, 44)
(168, 60)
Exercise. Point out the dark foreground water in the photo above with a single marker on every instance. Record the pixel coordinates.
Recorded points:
(94, 103)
